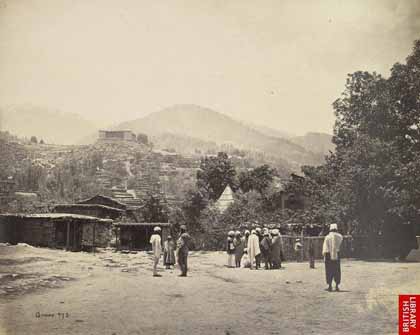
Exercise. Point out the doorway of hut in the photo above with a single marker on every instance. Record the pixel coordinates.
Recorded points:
(136, 237)
(68, 235)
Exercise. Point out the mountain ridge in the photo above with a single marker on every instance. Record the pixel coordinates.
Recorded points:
(184, 126)
(208, 125)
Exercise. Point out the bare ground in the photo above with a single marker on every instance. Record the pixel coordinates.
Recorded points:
(113, 293)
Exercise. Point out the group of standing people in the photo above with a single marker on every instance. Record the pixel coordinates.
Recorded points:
(249, 251)
(172, 251)
(266, 246)
(255, 247)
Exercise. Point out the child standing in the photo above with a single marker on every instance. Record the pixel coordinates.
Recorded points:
(169, 252)
(230, 249)
(245, 262)
(239, 244)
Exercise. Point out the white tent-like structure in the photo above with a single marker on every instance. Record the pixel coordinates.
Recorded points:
(225, 199)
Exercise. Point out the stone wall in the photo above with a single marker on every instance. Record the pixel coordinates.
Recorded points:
(39, 232)
(103, 234)
(5, 234)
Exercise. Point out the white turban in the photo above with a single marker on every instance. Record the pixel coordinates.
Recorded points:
(333, 226)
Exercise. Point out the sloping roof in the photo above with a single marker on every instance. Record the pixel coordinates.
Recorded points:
(26, 194)
(99, 197)
(64, 206)
(143, 224)
(296, 176)
(56, 216)
(117, 131)
(225, 199)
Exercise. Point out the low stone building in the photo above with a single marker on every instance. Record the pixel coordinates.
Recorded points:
(56, 230)
(119, 135)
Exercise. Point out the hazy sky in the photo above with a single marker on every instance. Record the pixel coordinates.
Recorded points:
(276, 63)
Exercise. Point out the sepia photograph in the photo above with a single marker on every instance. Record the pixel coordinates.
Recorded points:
(209, 167)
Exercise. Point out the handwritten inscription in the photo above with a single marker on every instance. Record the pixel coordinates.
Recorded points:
(59, 316)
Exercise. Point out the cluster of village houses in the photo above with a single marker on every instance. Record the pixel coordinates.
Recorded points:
(99, 221)
(102, 221)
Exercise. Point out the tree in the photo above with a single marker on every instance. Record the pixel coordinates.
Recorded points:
(215, 174)
(195, 202)
(368, 181)
(366, 185)
(257, 179)
(34, 139)
(154, 211)
(142, 138)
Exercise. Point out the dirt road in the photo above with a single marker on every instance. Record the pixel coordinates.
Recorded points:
(46, 291)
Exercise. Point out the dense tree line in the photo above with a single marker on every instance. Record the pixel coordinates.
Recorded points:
(370, 184)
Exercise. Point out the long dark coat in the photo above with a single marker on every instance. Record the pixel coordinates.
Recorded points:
(276, 249)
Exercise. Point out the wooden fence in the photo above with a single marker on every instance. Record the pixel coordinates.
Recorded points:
(217, 241)
(317, 242)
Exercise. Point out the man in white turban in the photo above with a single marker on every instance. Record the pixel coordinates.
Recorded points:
(253, 247)
(156, 243)
(331, 252)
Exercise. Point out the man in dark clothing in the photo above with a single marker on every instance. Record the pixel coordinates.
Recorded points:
(183, 244)
(266, 249)
(311, 254)
(276, 247)
(311, 230)
(258, 257)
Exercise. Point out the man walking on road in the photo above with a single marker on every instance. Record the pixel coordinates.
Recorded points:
(331, 252)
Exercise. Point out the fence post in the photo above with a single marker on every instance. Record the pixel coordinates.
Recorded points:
(68, 236)
(93, 238)
(302, 251)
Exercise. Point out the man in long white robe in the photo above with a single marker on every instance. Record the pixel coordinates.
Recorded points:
(331, 252)
(253, 247)
(156, 243)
